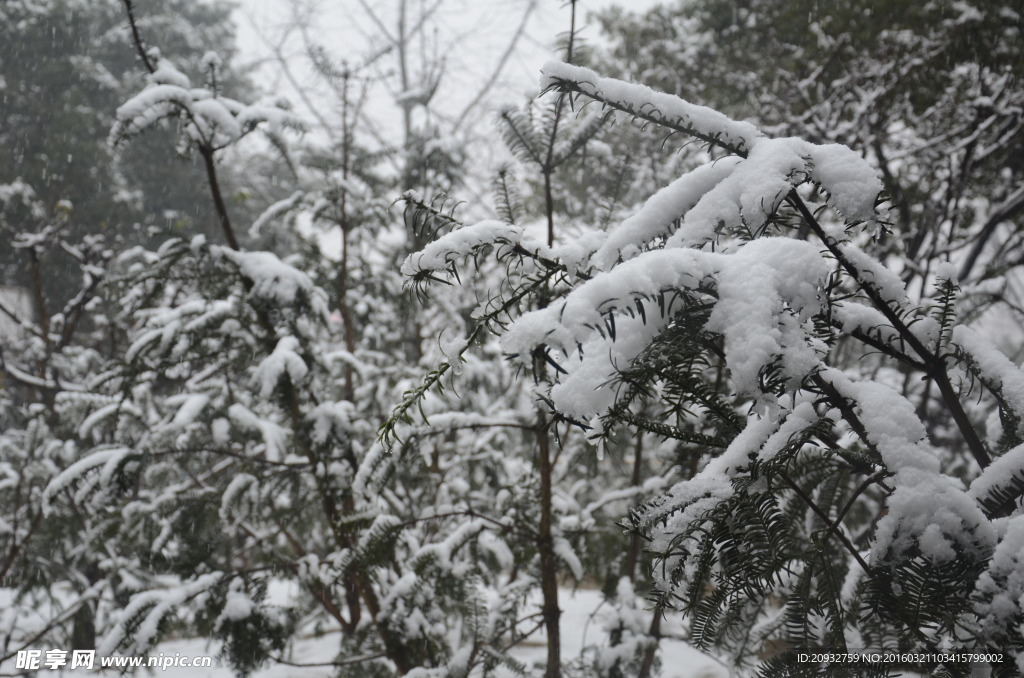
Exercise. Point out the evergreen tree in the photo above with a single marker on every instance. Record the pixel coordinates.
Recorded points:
(930, 93)
(229, 446)
(568, 532)
(64, 66)
(740, 304)
(50, 580)
(803, 448)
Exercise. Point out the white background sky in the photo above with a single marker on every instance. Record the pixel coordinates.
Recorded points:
(472, 35)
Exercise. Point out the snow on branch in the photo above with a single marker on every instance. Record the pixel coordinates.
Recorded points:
(667, 110)
(999, 595)
(928, 509)
(209, 120)
(1004, 379)
(441, 254)
(276, 282)
(1000, 484)
(730, 192)
(765, 291)
(138, 625)
(283, 361)
(108, 461)
(655, 219)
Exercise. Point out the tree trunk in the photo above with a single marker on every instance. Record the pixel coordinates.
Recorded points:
(546, 547)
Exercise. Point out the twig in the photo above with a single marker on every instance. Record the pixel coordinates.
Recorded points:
(136, 38)
(935, 364)
(502, 61)
(828, 521)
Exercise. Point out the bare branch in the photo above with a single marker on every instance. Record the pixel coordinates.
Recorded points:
(136, 38)
(502, 62)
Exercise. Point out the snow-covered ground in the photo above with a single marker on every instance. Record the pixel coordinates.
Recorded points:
(581, 626)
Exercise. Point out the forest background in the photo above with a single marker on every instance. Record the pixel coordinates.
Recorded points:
(354, 367)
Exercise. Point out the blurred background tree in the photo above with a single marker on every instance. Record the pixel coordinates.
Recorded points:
(65, 66)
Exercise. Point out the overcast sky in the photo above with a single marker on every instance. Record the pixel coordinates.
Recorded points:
(472, 35)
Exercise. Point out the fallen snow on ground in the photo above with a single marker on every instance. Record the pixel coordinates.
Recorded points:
(581, 626)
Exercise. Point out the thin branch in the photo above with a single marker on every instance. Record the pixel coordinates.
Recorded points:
(286, 70)
(205, 147)
(73, 313)
(665, 430)
(62, 618)
(1010, 207)
(884, 348)
(18, 321)
(936, 367)
(469, 513)
(376, 20)
(877, 477)
(828, 521)
(387, 433)
(136, 38)
(346, 662)
(648, 115)
(496, 73)
(218, 198)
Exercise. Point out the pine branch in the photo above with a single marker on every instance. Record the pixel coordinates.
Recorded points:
(935, 364)
(205, 146)
(387, 432)
(587, 131)
(649, 114)
(518, 140)
(665, 430)
(828, 521)
(136, 38)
